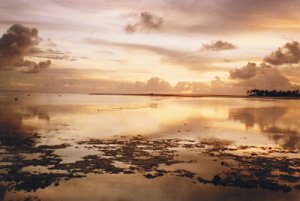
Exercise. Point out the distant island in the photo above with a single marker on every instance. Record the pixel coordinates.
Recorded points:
(170, 94)
(273, 93)
(250, 93)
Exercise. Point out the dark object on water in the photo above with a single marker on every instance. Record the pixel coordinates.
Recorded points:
(217, 180)
(2, 192)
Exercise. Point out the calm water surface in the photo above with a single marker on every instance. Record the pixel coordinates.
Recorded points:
(85, 147)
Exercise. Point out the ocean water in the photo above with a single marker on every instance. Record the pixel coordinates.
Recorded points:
(98, 147)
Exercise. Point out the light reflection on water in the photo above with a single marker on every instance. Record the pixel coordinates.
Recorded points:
(55, 119)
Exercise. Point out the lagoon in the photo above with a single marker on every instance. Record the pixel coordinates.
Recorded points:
(114, 147)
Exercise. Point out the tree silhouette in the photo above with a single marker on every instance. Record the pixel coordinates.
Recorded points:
(273, 93)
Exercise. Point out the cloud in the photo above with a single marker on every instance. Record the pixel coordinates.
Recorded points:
(218, 45)
(263, 76)
(191, 60)
(187, 17)
(155, 84)
(75, 80)
(205, 16)
(288, 54)
(53, 54)
(234, 17)
(245, 72)
(292, 73)
(266, 76)
(36, 67)
(159, 85)
(146, 22)
(137, 47)
(18, 42)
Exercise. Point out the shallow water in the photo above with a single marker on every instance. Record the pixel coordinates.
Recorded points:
(89, 147)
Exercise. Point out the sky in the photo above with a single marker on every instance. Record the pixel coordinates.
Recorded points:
(143, 46)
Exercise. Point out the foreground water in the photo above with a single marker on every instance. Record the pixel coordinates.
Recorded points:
(85, 147)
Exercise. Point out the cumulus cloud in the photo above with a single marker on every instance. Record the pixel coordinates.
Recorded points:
(245, 72)
(288, 54)
(146, 22)
(260, 76)
(55, 80)
(267, 75)
(153, 85)
(218, 45)
(156, 83)
(18, 42)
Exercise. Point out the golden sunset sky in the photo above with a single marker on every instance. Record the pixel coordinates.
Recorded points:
(141, 46)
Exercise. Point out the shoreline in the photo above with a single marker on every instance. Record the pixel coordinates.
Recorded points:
(190, 95)
(158, 95)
